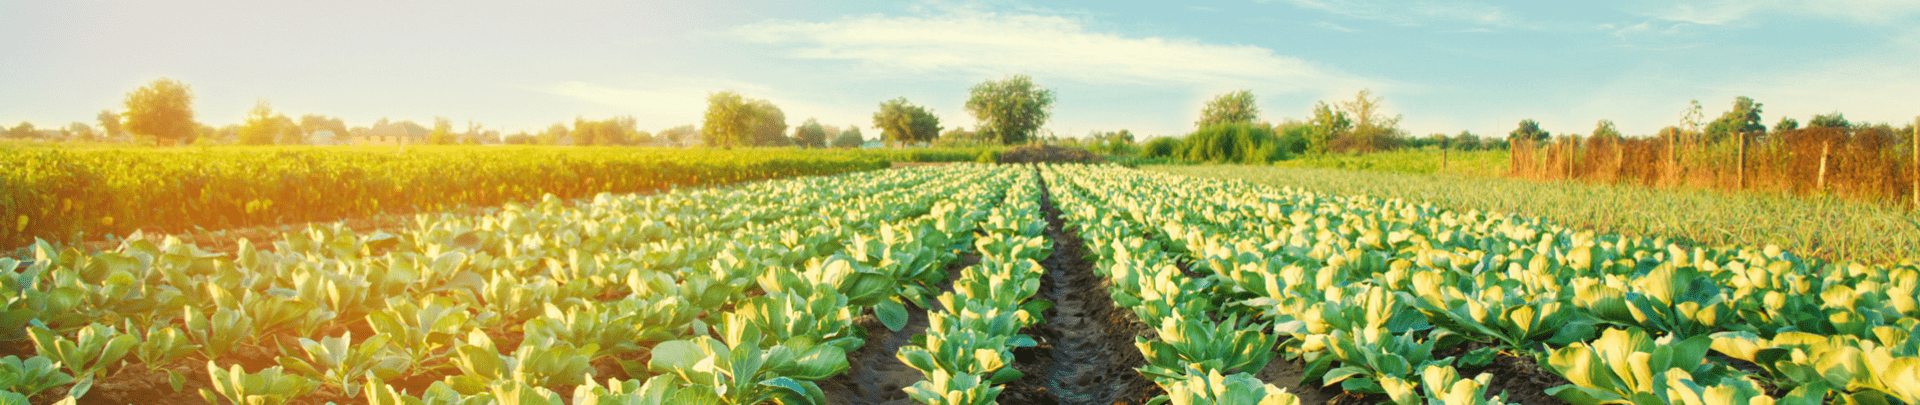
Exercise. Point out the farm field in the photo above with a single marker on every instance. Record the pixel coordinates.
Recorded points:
(68, 195)
(960, 284)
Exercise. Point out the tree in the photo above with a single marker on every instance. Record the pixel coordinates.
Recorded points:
(1372, 129)
(1834, 120)
(163, 110)
(1786, 124)
(314, 123)
(959, 136)
(727, 120)
(1010, 110)
(768, 124)
(1230, 108)
(553, 134)
(810, 134)
(442, 132)
(80, 131)
(1744, 118)
(262, 127)
(849, 138)
(1605, 129)
(1325, 125)
(110, 125)
(903, 122)
(290, 133)
(1529, 130)
(23, 131)
(1111, 142)
(680, 135)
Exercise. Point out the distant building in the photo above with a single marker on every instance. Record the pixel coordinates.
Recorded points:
(392, 135)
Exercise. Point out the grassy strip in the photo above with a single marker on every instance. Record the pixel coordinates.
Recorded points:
(1824, 228)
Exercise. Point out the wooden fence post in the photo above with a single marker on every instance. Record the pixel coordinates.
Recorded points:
(1826, 148)
(1742, 168)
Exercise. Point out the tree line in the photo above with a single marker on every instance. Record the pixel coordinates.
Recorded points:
(1011, 111)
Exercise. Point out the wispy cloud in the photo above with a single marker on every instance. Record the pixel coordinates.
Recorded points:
(1726, 12)
(992, 44)
(1332, 26)
(1416, 13)
(1204, 9)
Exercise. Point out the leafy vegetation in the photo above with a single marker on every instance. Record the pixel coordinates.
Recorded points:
(1367, 290)
(522, 303)
(1826, 228)
(59, 194)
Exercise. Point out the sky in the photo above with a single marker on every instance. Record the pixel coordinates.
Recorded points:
(1443, 65)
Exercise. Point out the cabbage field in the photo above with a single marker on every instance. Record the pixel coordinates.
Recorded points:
(957, 284)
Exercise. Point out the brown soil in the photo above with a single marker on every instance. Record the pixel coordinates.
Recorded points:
(1086, 353)
(877, 375)
(1286, 374)
(1524, 381)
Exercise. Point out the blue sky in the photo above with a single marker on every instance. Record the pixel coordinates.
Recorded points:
(1444, 65)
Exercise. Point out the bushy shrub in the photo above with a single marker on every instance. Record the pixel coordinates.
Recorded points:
(988, 156)
(1233, 143)
(1048, 153)
(1163, 147)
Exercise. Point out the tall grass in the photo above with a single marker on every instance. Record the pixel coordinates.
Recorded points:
(1427, 160)
(1866, 164)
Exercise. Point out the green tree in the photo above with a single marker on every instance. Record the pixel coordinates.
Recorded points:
(1605, 129)
(1744, 118)
(1010, 110)
(1231, 108)
(23, 131)
(110, 125)
(680, 135)
(80, 131)
(554, 134)
(442, 132)
(1326, 125)
(810, 134)
(1372, 129)
(903, 122)
(290, 133)
(849, 138)
(1529, 130)
(728, 120)
(768, 124)
(1834, 120)
(314, 123)
(262, 126)
(163, 110)
(1787, 124)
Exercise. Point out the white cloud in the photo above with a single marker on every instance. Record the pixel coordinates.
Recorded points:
(1332, 26)
(1724, 12)
(993, 44)
(1416, 13)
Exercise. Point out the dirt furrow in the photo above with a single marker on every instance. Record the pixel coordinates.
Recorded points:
(877, 375)
(1086, 353)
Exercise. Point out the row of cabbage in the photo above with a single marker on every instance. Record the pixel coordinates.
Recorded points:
(1196, 355)
(967, 349)
(1377, 287)
(608, 282)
